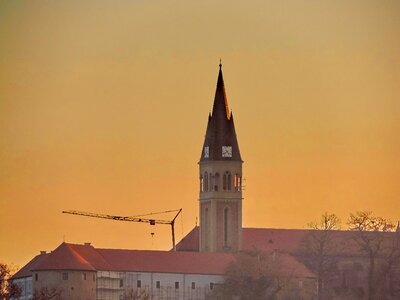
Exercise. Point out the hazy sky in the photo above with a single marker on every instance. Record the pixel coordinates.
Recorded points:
(104, 104)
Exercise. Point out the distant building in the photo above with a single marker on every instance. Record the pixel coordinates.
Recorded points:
(84, 272)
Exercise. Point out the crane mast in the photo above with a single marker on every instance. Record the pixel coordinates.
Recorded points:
(132, 219)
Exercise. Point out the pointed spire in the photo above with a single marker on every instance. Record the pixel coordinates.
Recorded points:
(220, 107)
(220, 128)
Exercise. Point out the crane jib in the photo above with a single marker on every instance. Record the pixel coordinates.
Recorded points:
(132, 219)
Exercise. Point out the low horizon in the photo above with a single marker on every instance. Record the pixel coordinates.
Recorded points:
(104, 109)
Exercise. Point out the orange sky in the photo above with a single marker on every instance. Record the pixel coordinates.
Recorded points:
(104, 104)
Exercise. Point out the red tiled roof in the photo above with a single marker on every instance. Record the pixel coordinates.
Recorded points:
(167, 261)
(291, 267)
(190, 242)
(65, 257)
(87, 258)
(26, 270)
(287, 240)
(92, 256)
(283, 240)
(187, 259)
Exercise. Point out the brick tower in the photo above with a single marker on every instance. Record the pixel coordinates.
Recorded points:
(220, 180)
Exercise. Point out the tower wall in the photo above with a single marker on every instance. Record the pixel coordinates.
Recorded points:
(220, 209)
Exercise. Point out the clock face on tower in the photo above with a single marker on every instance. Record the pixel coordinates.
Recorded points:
(206, 152)
(226, 151)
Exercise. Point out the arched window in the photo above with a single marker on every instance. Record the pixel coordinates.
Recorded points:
(201, 184)
(235, 181)
(226, 181)
(226, 225)
(205, 181)
(216, 182)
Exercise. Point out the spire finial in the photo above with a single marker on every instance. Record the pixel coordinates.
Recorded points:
(220, 63)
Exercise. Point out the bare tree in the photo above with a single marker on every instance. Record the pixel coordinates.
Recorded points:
(47, 294)
(8, 289)
(374, 241)
(254, 275)
(320, 247)
(136, 294)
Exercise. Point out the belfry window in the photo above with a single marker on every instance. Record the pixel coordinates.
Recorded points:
(201, 184)
(216, 182)
(226, 181)
(237, 182)
(205, 181)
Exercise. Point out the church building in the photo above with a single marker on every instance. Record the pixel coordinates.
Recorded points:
(85, 272)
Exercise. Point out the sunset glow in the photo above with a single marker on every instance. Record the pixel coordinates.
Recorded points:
(104, 107)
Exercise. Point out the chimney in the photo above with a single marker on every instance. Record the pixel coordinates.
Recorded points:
(42, 252)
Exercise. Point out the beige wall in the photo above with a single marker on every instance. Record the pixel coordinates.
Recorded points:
(212, 226)
(75, 287)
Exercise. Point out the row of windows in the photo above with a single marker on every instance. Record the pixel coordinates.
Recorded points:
(64, 276)
(121, 282)
(210, 182)
(158, 284)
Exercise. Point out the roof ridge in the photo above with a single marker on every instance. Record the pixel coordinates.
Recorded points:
(77, 254)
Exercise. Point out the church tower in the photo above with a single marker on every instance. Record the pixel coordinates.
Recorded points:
(220, 180)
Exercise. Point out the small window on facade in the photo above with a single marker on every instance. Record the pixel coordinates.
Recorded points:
(176, 284)
(193, 285)
(84, 276)
(158, 284)
(65, 276)
(36, 276)
(94, 277)
(139, 284)
(121, 283)
(211, 285)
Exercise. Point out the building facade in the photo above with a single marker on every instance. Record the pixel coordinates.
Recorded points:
(83, 272)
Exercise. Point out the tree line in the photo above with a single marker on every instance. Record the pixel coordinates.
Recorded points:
(361, 262)
(370, 247)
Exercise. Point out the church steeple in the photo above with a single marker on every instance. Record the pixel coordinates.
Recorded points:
(220, 179)
(220, 128)
(220, 107)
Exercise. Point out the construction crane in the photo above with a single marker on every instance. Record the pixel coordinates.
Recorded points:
(133, 219)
